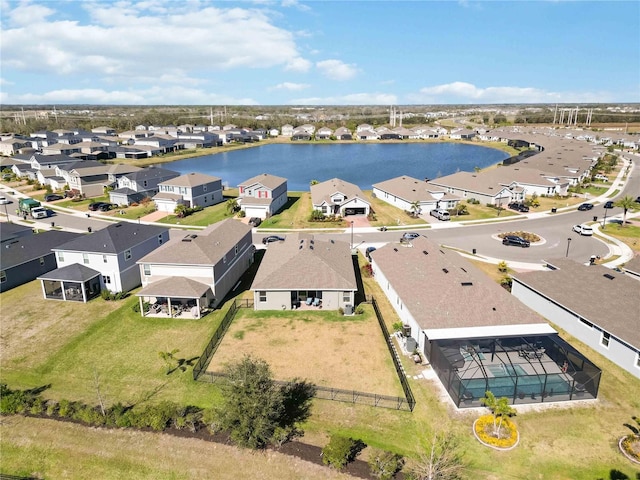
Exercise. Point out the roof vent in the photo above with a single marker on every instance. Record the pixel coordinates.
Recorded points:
(332, 241)
(194, 236)
(466, 284)
(300, 247)
(310, 247)
(461, 268)
(395, 249)
(445, 270)
(425, 252)
(609, 276)
(494, 309)
(186, 239)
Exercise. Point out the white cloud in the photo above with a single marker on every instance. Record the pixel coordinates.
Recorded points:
(5, 82)
(174, 95)
(290, 86)
(336, 69)
(294, 3)
(351, 99)
(462, 92)
(127, 39)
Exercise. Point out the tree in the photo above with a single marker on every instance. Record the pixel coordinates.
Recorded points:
(443, 459)
(313, 182)
(626, 203)
(181, 210)
(384, 465)
(499, 408)
(415, 208)
(232, 205)
(503, 267)
(255, 408)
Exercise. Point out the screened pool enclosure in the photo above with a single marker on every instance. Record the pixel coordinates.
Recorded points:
(528, 369)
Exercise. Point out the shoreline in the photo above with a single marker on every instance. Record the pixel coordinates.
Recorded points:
(169, 158)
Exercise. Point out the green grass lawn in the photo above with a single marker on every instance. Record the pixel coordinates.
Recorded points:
(203, 218)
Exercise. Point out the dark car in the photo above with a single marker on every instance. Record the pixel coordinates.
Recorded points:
(516, 240)
(272, 238)
(520, 207)
(585, 206)
(255, 221)
(94, 207)
(368, 252)
(51, 197)
(105, 207)
(608, 204)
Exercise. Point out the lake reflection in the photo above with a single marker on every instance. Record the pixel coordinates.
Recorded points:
(361, 164)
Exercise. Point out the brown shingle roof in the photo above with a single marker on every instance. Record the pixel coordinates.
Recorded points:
(322, 191)
(441, 289)
(304, 262)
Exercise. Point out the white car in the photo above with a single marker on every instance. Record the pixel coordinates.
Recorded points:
(4, 201)
(583, 229)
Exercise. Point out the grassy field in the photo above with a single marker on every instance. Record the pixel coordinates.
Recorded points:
(347, 352)
(629, 234)
(68, 345)
(389, 215)
(296, 213)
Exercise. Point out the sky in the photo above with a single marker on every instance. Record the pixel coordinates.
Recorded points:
(291, 52)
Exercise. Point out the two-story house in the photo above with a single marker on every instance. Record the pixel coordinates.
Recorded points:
(263, 195)
(197, 270)
(104, 259)
(192, 190)
(138, 185)
(337, 197)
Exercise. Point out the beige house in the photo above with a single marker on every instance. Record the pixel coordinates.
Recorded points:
(305, 272)
(263, 195)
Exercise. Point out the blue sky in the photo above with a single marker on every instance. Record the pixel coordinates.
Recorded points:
(291, 52)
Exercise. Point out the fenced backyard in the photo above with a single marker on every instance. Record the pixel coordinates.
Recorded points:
(346, 360)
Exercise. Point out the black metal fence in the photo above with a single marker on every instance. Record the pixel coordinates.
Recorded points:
(326, 393)
(402, 376)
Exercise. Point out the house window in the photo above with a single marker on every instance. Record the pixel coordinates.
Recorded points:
(604, 341)
(104, 259)
(144, 183)
(324, 209)
(106, 279)
(41, 261)
(127, 254)
(262, 296)
(85, 258)
(346, 297)
(204, 187)
(147, 269)
(60, 257)
(3, 276)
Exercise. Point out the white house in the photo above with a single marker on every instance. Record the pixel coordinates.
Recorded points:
(337, 197)
(263, 195)
(404, 192)
(191, 189)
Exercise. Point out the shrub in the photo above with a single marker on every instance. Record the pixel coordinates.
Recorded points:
(14, 402)
(341, 450)
(384, 465)
(156, 417)
(367, 270)
(52, 408)
(317, 216)
(359, 310)
(341, 311)
(65, 408)
(37, 406)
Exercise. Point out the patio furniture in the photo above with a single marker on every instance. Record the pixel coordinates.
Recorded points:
(309, 300)
(316, 302)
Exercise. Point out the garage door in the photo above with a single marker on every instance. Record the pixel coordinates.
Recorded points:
(355, 211)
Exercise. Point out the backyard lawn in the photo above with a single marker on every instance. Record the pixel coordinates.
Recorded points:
(324, 347)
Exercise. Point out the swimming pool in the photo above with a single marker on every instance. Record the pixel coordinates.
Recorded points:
(502, 370)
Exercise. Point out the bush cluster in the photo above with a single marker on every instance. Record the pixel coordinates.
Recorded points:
(532, 237)
(108, 295)
(341, 450)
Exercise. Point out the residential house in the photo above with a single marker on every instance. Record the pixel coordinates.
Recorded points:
(287, 130)
(104, 130)
(407, 193)
(263, 195)
(343, 133)
(462, 134)
(196, 269)
(89, 181)
(305, 272)
(597, 305)
(161, 144)
(324, 133)
(274, 132)
(26, 255)
(475, 335)
(337, 197)
(300, 134)
(135, 186)
(12, 146)
(191, 189)
(104, 259)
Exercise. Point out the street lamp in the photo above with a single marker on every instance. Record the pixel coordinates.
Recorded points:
(351, 234)
(6, 213)
(604, 222)
(568, 243)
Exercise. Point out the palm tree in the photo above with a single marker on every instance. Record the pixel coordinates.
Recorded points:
(232, 205)
(415, 208)
(626, 203)
(499, 408)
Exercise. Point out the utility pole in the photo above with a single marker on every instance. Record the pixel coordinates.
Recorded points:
(555, 114)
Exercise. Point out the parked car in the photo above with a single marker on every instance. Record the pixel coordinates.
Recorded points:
(637, 199)
(94, 207)
(4, 201)
(255, 221)
(272, 238)
(516, 240)
(519, 207)
(105, 207)
(51, 197)
(408, 236)
(583, 229)
(608, 204)
(585, 206)
(440, 214)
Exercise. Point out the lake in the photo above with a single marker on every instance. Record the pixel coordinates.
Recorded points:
(361, 164)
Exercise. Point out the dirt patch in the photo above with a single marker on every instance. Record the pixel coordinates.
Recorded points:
(327, 349)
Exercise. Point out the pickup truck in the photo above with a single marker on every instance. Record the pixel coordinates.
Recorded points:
(39, 212)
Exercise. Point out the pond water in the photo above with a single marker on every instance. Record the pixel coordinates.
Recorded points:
(361, 164)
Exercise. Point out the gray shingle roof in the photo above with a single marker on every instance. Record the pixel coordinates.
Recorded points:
(303, 262)
(441, 289)
(201, 248)
(612, 302)
(113, 239)
(191, 180)
(151, 172)
(409, 189)
(322, 191)
(175, 287)
(22, 249)
(269, 181)
(71, 273)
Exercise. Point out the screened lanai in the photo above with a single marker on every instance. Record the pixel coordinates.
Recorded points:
(525, 369)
